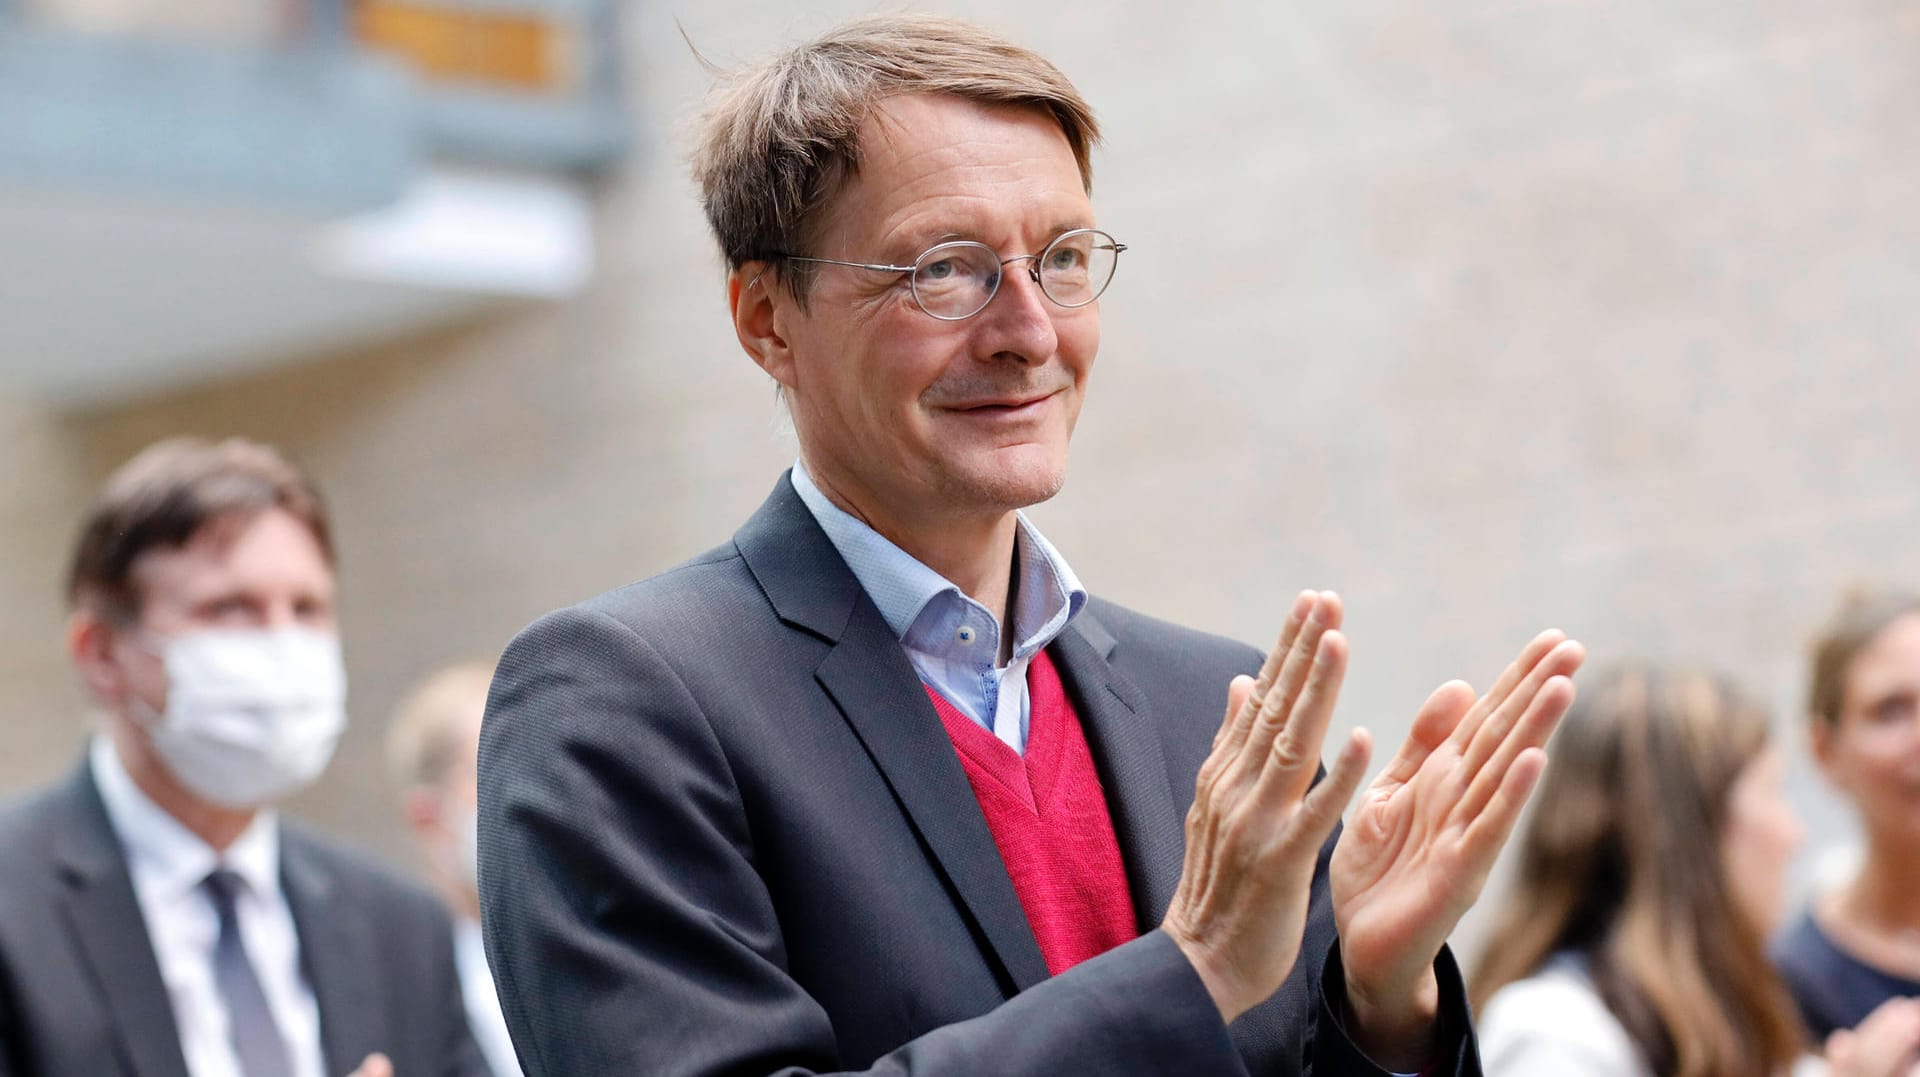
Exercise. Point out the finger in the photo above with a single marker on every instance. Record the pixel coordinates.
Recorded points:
(375, 1065)
(1887, 1039)
(1276, 709)
(1233, 732)
(1438, 717)
(1488, 833)
(1531, 731)
(1327, 801)
(1510, 678)
(1562, 661)
(1295, 755)
(1239, 690)
(1885, 1049)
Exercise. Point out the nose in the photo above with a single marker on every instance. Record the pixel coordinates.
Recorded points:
(1018, 321)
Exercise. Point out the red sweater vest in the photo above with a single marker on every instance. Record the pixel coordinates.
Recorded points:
(1048, 814)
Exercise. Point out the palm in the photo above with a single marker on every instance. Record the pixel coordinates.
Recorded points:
(1425, 834)
(1396, 869)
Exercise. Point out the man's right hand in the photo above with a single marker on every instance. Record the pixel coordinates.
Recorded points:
(1258, 821)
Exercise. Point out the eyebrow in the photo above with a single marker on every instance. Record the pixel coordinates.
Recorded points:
(922, 242)
(911, 245)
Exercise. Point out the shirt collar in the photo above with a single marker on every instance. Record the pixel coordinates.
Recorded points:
(164, 852)
(910, 596)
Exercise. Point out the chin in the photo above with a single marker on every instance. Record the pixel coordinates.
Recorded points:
(1010, 478)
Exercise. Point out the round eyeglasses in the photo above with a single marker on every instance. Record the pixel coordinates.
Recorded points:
(953, 281)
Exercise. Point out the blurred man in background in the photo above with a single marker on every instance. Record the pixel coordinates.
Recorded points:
(157, 916)
(432, 745)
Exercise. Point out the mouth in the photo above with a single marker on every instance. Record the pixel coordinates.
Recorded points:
(1005, 407)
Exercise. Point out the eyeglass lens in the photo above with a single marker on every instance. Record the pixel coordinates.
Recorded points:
(957, 280)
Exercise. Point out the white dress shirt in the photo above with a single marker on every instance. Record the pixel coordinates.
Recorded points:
(483, 1005)
(169, 864)
(953, 641)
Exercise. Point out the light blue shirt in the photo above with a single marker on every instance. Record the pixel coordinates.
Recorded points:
(953, 641)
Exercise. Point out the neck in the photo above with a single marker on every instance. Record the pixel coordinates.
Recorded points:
(1885, 896)
(973, 551)
(218, 826)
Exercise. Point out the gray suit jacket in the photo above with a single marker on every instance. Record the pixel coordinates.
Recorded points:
(80, 988)
(722, 831)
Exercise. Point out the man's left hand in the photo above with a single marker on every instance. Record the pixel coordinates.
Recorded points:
(1424, 835)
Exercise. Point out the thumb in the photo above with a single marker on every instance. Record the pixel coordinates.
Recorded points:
(375, 1065)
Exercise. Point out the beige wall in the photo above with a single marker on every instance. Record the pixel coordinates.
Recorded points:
(1493, 316)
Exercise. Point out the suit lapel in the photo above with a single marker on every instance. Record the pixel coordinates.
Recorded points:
(869, 679)
(1126, 748)
(337, 953)
(107, 923)
(875, 686)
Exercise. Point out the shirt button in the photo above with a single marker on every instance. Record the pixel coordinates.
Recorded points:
(965, 634)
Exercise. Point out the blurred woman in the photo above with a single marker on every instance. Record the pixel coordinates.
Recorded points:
(1651, 870)
(1859, 944)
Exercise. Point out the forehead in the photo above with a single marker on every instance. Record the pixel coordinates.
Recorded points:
(270, 551)
(1891, 660)
(935, 166)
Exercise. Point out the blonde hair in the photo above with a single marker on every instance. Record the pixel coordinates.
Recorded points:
(1620, 861)
(425, 738)
(779, 139)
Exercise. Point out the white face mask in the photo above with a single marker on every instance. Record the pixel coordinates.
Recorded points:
(252, 715)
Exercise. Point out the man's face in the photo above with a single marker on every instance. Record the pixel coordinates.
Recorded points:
(266, 571)
(908, 416)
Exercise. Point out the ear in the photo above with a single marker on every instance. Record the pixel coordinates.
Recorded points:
(756, 319)
(90, 645)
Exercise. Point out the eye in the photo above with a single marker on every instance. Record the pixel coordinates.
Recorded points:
(1066, 258)
(1896, 708)
(309, 610)
(944, 269)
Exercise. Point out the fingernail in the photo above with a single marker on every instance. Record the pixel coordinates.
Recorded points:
(1329, 641)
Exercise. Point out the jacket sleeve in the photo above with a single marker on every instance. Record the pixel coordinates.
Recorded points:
(7, 1045)
(629, 932)
(1455, 1052)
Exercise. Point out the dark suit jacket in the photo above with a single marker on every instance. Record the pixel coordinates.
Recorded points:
(722, 831)
(80, 988)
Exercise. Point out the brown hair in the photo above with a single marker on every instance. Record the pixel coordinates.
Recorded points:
(779, 138)
(424, 737)
(165, 496)
(1859, 620)
(1620, 862)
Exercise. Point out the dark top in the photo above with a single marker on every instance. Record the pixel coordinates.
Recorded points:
(1833, 988)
